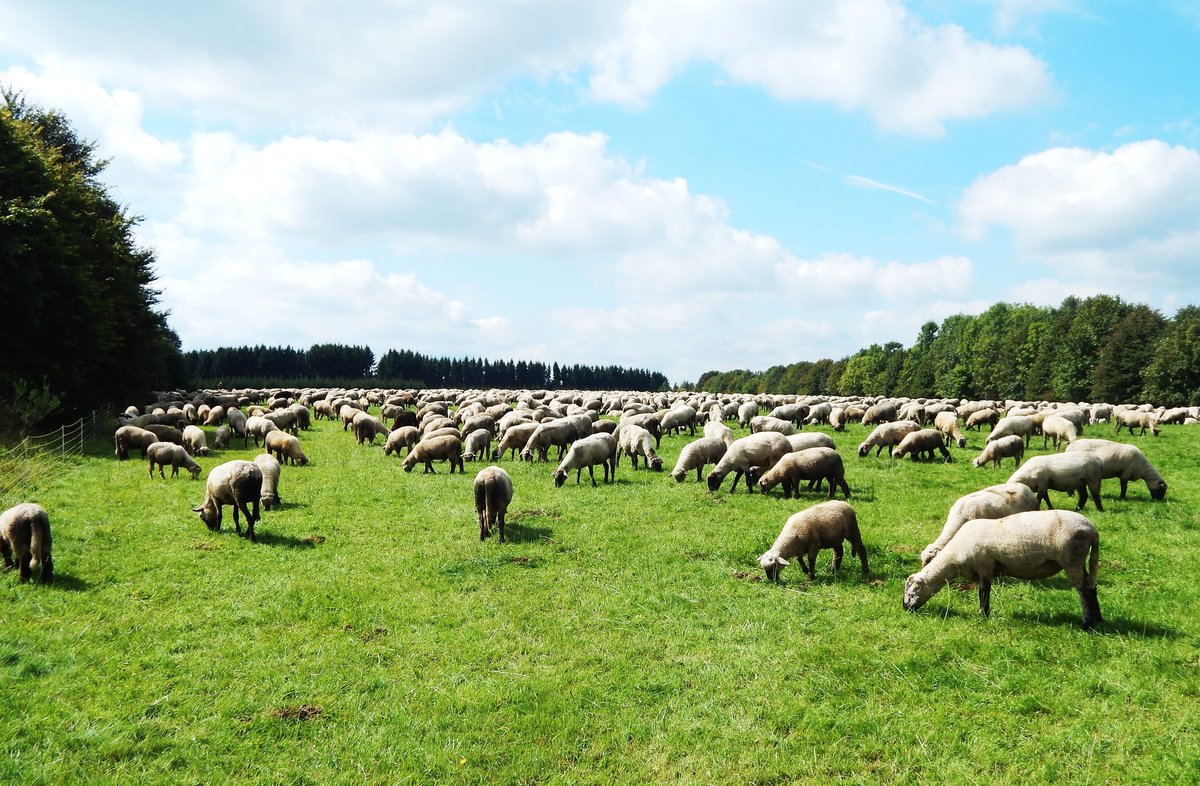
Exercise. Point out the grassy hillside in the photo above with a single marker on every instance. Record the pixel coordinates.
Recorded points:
(624, 636)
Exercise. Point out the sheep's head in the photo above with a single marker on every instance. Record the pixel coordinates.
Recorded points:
(962, 442)
(210, 515)
(656, 464)
(714, 480)
(928, 554)
(1158, 490)
(771, 564)
(752, 476)
(916, 591)
(679, 475)
(863, 450)
(195, 472)
(560, 477)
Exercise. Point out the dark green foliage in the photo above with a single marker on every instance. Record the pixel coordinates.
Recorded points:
(1174, 373)
(1126, 355)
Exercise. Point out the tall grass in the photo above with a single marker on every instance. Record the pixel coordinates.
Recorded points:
(624, 636)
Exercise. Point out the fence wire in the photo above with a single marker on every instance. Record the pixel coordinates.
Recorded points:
(37, 459)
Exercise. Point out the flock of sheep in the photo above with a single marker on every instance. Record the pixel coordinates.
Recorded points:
(999, 530)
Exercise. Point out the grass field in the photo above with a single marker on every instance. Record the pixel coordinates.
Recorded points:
(623, 636)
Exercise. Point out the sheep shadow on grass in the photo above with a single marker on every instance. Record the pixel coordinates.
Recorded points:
(286, 541)
(516, 532)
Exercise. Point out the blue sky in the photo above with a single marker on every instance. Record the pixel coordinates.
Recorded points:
(675, 185)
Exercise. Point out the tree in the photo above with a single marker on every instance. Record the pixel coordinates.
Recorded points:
(1079, 349)
(1173, 376)
(1128, 353)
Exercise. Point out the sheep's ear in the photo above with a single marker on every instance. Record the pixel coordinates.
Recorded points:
(197, 510)
(781, 561)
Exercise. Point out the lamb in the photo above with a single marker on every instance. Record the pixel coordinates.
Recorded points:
(823, 526)
(695, 455)
(1071, 472)
(1021, 425)
(885, 435)
(493, 489)
(1030, 545)
(757, 450)
(1131, 419)
(587, 452)
(1126, 462)
(25, 541)
(477, 443)
(427, 451)
(883, 412)
(634, 441)
(403, 437)
(813, 465)
(719, 431)
(269, 467)
(1059, 429)
(979, 417)
(762, 423)
(257, 427)
(285, 447)
(947, 423)
(237, 483)
(133, 437)
(194, 441)
(993, 502)
(161, 454)
(1012, 446)
(367, 427)
(515, 439)
(922, 444)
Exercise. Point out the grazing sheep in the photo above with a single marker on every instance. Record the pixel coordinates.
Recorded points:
(796, 413)
(647, 420)
(719, 431)
(161, 454)
(1126, 462)
(922, 444)
(25, 541)
(285, 447)
(194, 441)
(979, 417)
(554, 433)
(947, 423)
(477, 443)
(257, 427)
(1021, 425)
(883, 412)
(1077, 472)
(237, 483)
(823, 526)
(588, 452)
(215, 416)
(1031, 545)
(403, 437)
(237, 421)
(696, 454)
(763, 423)
(885, 435)
(1101, 413)
(634, 441)
(1012, 446)
(677, 418)
(268, 465)
(837, 418)
(165, 433)
(367, 427)
(1131, 419)
(515, 438)
(493, 489)
(745, 412)
(1059, 429)
(811, 440)
(819, 413)
(427, 451)
(757, 450)
(993, 502)
(813, 465)
(128, 437)
(221, 437)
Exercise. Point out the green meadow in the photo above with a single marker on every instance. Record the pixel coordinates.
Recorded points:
(625, 635)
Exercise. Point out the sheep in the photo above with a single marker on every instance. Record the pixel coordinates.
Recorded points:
(1031, 545)
(1077, 472)
(719, 431)
(922, 444)
(811, 440)
(258, 428)
(215, 416)
(493, 489)
(696, 454)
(403, 437)
(165, 433)
(823, 526)
(1021, 425)
(477, 443)
(515, 439)
(237, 483)
(979, 417)
(885, 435)
(676, 418)
(194, 441)
(883, 412)
(796, 413)
(237, 420)
(746, 411)
(128, 437)
(587, 452)
(837, 418)
(1123, 461)
(762, 423)
(1131, 419)
(818, 413)
(268, 465)
(554, 433)
(647, 420)
(367, 427)
(161, 454)
(1059, 429)
(427, 451)
(346, 413)
(757, 450)
(285, 447)
(25, 541)
(993, 502)
(1012, 446)
(221, 437)
(634, 441)
(947, 423)
(1101, 413)
(813, 465)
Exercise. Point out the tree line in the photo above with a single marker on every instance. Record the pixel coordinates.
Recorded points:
(354, 365)
(1099, 348)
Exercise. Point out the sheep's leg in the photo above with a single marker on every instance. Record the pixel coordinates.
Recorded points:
(591, 474)
(429, 470)
(699, 469)
(736, 478)
(6, 554)
(1044, 496)
(832, 481)
(500, 524)
(1088, 605)
(985, 595)
(837, 557)
(1083, 496)
(812, 561)
(26, 571)
(237, 524)
(1095, 489)
(845, 488)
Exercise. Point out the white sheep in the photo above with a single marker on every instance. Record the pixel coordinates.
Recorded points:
(161, 454)
(367, 427)
(1132, 419)
(883, 412)
(885, 435)
(1031, 545)
(1012, 446)
(25, 541)
(719, 431)
(285, 447)
(696, 454)
(476, 444)
(823, 526)
(587, 452)
(515, 438)
(257, 427)
(813, 464)
(677, 418)
(977, 419)
(1077, 472)
(268, 465)
(634, 441)
(398, 439)
(127, 437)
(762, 423)
(493, 490)
(194, 441)
(746, 411)
(947, 423)
(427, 451)
(222, 436)
(1020, 425)
(757, 450)
(813, 439)
(1059, 429)
(1126, 462)
(921, 444)
(993, 502)
(237, 483)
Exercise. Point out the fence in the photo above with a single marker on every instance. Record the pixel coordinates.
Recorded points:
(37, 458)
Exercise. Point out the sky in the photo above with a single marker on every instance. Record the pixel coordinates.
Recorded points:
(673, 185)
